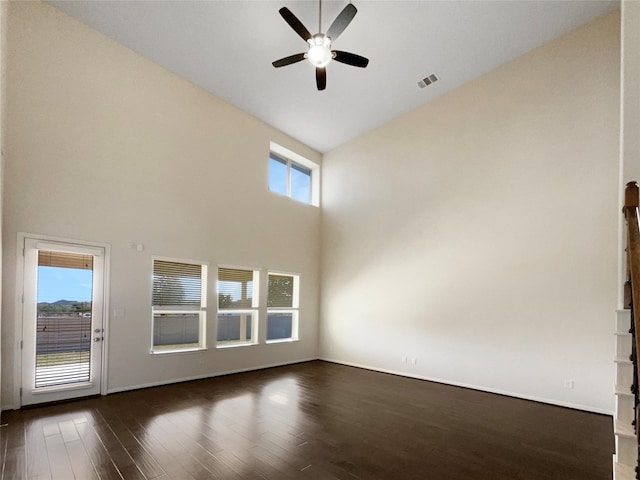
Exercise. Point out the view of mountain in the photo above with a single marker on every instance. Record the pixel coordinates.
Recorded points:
(64, 306)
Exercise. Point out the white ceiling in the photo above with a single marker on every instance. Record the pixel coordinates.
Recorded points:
(227, 47)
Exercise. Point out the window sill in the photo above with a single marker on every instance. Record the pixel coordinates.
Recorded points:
(282, 340)
(222, 346)
(176, 350)
(294, 200)
(60, 388)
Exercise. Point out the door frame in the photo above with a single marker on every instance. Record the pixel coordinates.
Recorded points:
(18, 319)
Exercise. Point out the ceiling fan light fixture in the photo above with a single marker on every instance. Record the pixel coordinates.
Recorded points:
(319, 53)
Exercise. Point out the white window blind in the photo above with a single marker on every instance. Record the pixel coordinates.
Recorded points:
(65, 260)
(176, 284)
(179, 305)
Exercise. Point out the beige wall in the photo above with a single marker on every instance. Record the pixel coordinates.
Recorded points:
(629, 118)
(477, 234)
(630, 146)
(490, 209)
(106, 146)
(3, 44)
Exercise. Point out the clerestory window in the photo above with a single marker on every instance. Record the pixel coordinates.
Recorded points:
(293, 176)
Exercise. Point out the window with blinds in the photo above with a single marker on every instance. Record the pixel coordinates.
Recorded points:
(178, 303)
(237, 306)
(282, 307)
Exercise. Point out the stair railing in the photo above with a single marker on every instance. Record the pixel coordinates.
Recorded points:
(632, 291)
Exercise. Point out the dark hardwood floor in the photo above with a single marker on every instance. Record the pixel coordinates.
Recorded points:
(311, 421)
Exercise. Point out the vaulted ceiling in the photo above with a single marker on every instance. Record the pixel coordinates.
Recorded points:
(227, 47)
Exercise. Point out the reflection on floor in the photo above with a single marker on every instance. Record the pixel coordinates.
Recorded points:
(315, 420)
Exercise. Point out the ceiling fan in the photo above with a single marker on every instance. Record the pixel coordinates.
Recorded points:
(320, 53)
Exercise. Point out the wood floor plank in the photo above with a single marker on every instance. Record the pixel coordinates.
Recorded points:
(144, 461)
(97, 452)
(81, 463)
(51, 428)
(13, 450)
(15, 465)
(311, 421)
(59, 461)
(36, 451)
(154, 441)
(148, 465)
(217, 467)
(68, 431)
(165, 460)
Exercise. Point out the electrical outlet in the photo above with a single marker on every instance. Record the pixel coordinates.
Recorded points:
(569, 384)
(404, 359)
(414, 360)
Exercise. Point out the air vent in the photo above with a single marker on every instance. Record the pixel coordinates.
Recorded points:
(426, 81)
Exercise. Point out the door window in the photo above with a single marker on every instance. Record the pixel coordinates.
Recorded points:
(62, 321)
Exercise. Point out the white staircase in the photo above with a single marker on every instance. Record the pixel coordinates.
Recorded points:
(626, 456)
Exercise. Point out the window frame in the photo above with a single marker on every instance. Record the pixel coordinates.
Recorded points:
(289, 157)
(294, 309)
(176, 309)
(254, 310)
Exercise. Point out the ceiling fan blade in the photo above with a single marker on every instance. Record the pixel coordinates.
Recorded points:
(298, 57)
(321, 78)
(342, 21)
(294, 23)
(350, 59)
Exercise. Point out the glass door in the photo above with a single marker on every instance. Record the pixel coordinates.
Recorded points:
(62, 321)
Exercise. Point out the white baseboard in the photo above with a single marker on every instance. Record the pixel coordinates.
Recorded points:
(549, 401)
(357, 365)
(206, 375)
